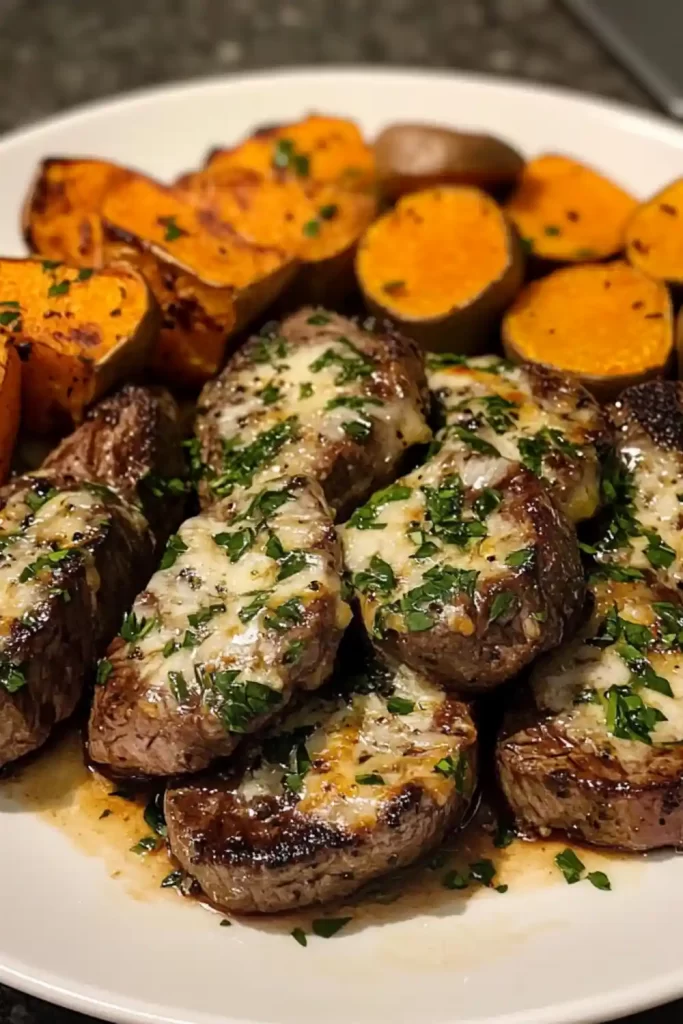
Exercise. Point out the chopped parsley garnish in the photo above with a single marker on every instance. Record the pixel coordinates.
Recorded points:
(265, 504)
(174, 546)
(305, 389)
(453, 769)
(500, 413)
(240, 464)
(370, 779)
(291, 564)
(571, 867)
(247, 613)
(270, 394)
(326, 927)
(476, 443)
(287, 158)
(441, 583)
(400, 705)
(178, 686)
(9, 316)
(85, 273)
(293, 652)
(521, 558)
(311, 228)
(39, 496)
(352, 366)
(48, 561)
(269, 347)
(104, 670)
(134, 629)
(286, 615)
(299, 935)
(294, 780)
(318, 320)
(236, 544)
(173, 231)
(154, 815)
(487, 502)
(173, 880)
(364, 517)
(58, 288)
(274, 548)
(329, 211)
(358, 430)
(483, 871)
(628, 716)
(377, 579)
(238, 704)
(455, 880)
(503, 837)
(658, 553)
(12, 676)
(144, 845)
(504, 605)
(441, 360)
(49, 265)
(600, 880)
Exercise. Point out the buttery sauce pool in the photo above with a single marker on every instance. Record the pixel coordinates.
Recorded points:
(107, 821)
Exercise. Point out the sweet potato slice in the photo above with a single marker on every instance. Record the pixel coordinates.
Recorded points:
(209, 280)
(10, 398)
(654, 235)
(411, 157)
(328, 150)
(610, 325)
(77, 332)
(567, 212)
(443, 265)
(60, 218)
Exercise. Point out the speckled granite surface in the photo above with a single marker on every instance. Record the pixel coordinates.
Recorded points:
(57, 53)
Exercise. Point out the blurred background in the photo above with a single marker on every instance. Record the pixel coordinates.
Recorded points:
(57, 53)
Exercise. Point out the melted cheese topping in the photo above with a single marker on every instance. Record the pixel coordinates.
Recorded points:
(331, 389)
(360, 737)
(219, 606)
(36, 539)
(401, 526)
(467, 395)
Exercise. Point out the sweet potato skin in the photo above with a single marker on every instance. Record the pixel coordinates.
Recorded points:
(77, 333)
(566, 212)
(411, 157)
(10, 404)
(616, 289)
(466, 323)
(654, 236)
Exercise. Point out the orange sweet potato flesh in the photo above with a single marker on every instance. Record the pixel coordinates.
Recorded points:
(318, 224)
(328, 150)
(10, 399)
(566, 212)
(60, 218)
(210, 280)
(608, 324)
(77, 333)
(654, 235)
(443, 265)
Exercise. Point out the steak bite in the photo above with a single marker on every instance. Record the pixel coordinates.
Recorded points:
(464, 569)
(595, 747)
(317, 395)
(530, 414)
(245, 608)
(346, 788)
(73, 554)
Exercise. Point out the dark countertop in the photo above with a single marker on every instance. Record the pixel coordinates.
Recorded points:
(57, 53)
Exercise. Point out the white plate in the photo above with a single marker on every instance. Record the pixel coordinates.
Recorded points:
(552, 955)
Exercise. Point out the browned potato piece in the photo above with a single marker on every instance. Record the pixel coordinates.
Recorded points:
(442, 265)
(410, 157)
(10, 401)
(654, 235)
(209, 279)
(60, 219)
(608, 324)
(77, 333)
(566, 212)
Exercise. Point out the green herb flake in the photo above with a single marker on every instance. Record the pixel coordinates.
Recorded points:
(311, 228)
(287, 615)
(600, 880)
(175, 546)
(552, 231)
(58, 288)
(400, 706)
(293, 563)
(299, 935)
(173, 232)
(326, 927)
(455, 769)
(144, 845)
(329, 211)
(305, 389)
(455, 880)
(12, 676)
(178, 686)
(293, 652)
(419, 622)
(104, 670)
(134, 629)
(570, 866)
(9, 316)
(503, 837)
(319, 320)
(236, 544)
(49, 265)
(658, 553)
(364, 517)
(172, 880)
(370, 779)
(270, 394)
(483, 871)
(377, 579)
(154, 815)
(85, 273)
(521, 559)
(504, 605)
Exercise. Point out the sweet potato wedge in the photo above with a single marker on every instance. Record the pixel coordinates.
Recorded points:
(328, 150)
(209, 280)
(60, 218)
(654, 235)
(608, 324)
(10, 398)
(442, 265)
(411, 157)
(77, 333)
(566, 212)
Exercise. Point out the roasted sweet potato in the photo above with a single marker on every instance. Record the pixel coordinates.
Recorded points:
(327, 150)
(566, 212)
(10, 397)
(60, 218)
(77, 333)
(210, 280)
(610, 325)
(410, 157)
(654, 235)
(442, 265)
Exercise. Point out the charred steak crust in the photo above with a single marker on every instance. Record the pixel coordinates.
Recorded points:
(130, 442)
(530, 413)
(317, 395)
(245, 609)
(464, 569)
(597, 748)
(348, 787)
(72, 557)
